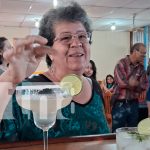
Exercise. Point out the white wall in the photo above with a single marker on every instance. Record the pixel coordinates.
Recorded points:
(107, 48)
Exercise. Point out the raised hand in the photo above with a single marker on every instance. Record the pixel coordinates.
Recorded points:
(25, 57)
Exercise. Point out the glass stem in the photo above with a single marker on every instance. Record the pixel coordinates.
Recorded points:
(45, 138)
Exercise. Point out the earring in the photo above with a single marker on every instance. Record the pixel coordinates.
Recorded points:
(52, 68)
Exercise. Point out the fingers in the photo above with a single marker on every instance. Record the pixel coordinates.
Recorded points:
(41, 51)
(27, 42)
(23, 47)
(30, 39)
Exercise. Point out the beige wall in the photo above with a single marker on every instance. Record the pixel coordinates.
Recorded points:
(11, 32)
(107, 47)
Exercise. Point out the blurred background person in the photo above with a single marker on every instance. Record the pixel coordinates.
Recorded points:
(90, 70)
(148, 68)
(107, 84)
(148, 100)
(130, 81)
(4, 45)
(148, 91)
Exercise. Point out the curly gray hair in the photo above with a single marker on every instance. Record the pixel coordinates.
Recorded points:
(71, 13)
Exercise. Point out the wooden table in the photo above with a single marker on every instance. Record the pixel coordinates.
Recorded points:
(93, 142)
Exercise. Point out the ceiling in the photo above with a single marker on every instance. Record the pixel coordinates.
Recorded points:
(103, 13)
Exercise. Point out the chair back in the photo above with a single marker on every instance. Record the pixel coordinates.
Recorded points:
(107, 99)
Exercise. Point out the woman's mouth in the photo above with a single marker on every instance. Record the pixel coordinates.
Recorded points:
(76, 55)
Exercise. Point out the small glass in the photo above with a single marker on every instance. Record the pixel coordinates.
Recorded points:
(128, 138)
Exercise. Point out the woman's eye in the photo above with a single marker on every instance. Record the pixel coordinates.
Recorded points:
(82, 37)
(65, 38)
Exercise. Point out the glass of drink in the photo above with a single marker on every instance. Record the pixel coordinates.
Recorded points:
(128, 138)
(43, 100)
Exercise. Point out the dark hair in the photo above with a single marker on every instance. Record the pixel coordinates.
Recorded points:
(136, 47)
(109, 75)
(94, 69)
(71, 13)
(93, 76)
(2, 44)
(48, 61)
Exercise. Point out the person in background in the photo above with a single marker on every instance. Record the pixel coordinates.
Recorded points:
(107, 85)
(68, 32)
(148, 99)
(4, 45)
(130, 80)
(148, 68)
(148, 106)
(90, 70)
(148, 91)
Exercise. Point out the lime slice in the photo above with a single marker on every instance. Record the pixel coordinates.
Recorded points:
(144, 126)
(73, 83)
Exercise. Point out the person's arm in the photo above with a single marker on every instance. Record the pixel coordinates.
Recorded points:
(23, 60)
(143, 83)
(122, 79)
(120, 75)
(85, 95)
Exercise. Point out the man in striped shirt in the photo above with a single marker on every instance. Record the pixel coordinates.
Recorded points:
(130, 80)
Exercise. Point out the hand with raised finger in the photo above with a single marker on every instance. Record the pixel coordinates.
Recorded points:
(25, 58)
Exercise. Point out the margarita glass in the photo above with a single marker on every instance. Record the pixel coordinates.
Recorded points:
(43, 100)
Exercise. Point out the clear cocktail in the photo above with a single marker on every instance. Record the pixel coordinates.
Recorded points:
(43, 101)
(128, 138)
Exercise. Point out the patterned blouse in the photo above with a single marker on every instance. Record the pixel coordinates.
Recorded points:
(86, 119)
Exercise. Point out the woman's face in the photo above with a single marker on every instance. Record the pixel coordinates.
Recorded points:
(88, 70)
(7, 45)
(70, 53)
(110, 80)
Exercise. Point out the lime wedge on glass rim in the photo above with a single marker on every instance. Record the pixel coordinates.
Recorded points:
(144, 126)
(73, 83)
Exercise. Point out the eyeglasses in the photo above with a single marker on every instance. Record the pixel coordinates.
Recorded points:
(67, 38)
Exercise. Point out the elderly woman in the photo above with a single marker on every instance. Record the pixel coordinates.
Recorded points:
(68, 31)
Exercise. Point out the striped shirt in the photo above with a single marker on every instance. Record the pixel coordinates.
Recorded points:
(125, 70)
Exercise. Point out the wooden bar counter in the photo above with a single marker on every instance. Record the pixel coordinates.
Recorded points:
(93, 142)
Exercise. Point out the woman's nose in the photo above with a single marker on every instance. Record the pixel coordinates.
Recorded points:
(75, 41)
